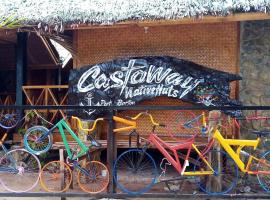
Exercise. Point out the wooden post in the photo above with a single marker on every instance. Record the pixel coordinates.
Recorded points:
(61, 156)
(111, 151)
(21, 64)
(216, 120)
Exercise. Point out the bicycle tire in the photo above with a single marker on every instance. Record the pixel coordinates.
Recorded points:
(28, 169)
(128, 161)
(228, 175)
(53, 175)
(183, 124)
(264, 179)
(95, 179)
(34, 147)
(8, 121)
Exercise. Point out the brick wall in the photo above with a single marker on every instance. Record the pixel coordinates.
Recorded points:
(214, 45)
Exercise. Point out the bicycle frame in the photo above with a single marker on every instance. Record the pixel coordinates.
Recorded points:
(240, 144)
(235, 155)
(175, 161)
(162, 146)
(61, 125)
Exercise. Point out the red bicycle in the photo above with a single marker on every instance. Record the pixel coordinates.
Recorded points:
(135, 171)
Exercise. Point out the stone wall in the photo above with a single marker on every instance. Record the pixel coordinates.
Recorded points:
(255, 66)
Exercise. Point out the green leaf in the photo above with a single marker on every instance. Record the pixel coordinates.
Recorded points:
(10, 22)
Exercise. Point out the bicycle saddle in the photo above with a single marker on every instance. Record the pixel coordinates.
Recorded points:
(262, 132)
(93, 142)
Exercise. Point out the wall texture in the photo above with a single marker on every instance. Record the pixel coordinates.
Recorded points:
(255, 66)
(214, 45)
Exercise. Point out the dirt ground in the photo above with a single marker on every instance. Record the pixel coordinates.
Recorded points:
(187, 186)
(87, 198)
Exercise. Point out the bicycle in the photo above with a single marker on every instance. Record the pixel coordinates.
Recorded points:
(19, 169)
(262, 165)
(11, 120)
(138, 166)
(93, 177)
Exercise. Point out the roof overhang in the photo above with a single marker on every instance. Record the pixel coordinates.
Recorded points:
(202, 20)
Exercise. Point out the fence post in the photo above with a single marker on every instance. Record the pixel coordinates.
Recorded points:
(21, 64)
(111, 151)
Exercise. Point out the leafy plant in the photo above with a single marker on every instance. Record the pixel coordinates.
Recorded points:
(21, 131)
(43, 158)
(10, 22)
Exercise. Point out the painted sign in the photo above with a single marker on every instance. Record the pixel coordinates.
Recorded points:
(124, 82)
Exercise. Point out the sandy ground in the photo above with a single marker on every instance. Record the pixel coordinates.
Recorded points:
(188, 186)
(87, 198)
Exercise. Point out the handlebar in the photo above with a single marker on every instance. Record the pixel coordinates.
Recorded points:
(150, 116)
(79, 122)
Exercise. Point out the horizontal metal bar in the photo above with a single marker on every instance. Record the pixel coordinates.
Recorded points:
(147, 195)
(45, 87)
(139, 107)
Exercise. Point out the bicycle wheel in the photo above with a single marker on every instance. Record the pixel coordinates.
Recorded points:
(135, 171)
(264, 166)
(55, 176)
(34, 146)
(184, 124)
(93, 177)
(9, 120)
(19, 170)
(225, 174)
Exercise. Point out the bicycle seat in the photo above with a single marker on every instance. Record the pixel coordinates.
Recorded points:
(262, 132)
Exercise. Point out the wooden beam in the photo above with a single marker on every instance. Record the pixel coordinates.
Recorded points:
(111, 151)
(45, 86)
(48, 47)
(7, 42)
(21, 64)
(32, 67)
(202, 20)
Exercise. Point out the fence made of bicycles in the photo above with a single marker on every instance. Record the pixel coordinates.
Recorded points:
(136, 151)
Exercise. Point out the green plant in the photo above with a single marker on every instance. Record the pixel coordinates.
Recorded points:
(43, 158)
(10, 22)
(21, 131)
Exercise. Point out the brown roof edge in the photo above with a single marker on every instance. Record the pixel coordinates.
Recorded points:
(50, 50)
(201, 20)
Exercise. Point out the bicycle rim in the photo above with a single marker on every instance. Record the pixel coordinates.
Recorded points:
(263, 178)
(9, 120)
(27, 166)
(135, 172)
(55, 176)
(94, 178)
(225, 177)
(30, 140)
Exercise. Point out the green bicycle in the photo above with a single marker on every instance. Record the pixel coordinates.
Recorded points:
(93, 177)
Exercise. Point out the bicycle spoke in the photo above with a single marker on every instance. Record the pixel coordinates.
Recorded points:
(96, 179)
(264, 166)
(225, 177)
(134, 171)
(26, 167)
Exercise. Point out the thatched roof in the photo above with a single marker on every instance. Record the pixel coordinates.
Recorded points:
(61, 12)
